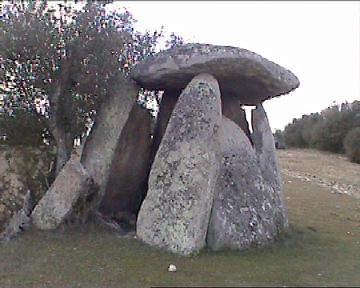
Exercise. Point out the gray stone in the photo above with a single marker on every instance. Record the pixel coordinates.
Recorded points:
(21, 220)
(176, 210)
(266, 152)
(243, 208)
(100, 145)
(71, 185)
(22, 169)
(232, 110)
(127, 184)
(241, 73)
(167, 105)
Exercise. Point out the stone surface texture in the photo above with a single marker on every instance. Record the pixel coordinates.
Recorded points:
(243, 208)
(232, 110)
(127, 184)
(241, 73)
(20, 220)
(22, 169)
(266, 152)
(100, 145)
(71, 185)
(167, 105)
(176, 210)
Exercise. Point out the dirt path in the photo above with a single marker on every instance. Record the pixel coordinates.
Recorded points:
(329, 170)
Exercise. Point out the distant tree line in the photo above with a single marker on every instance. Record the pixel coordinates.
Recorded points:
(335, 129)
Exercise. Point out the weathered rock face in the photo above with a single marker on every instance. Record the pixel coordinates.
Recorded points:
(167, 105)
(22, 169)
(241, 73)
(127, 184)
(99, 148)
(265, 149)
(71, 185)
(242, 212)
(20, 220)
(176, 210)
(232, 110)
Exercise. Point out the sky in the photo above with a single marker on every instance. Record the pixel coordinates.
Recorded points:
(318, 41)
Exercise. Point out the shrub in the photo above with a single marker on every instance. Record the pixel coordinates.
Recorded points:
(293, 136)
(352, 145)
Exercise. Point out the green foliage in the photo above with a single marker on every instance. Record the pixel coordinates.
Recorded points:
(75, 54)
(293, 134)
(326, 130)
(352, 145)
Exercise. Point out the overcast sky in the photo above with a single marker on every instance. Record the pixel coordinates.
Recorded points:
(318, 41)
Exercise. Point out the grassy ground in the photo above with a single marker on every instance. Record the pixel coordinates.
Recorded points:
(322, 248)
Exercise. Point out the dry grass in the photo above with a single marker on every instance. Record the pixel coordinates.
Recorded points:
(331, 170)
(321, 248)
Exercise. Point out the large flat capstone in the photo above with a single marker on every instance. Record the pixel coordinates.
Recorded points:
(243, 208)
(241, 74)
(176, 210)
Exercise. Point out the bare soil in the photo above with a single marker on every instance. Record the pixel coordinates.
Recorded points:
(321, 248)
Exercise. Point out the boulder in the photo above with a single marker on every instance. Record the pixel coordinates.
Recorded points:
(266, 152)
(243, 208)
(71, 186)
(176, 210)
(100, 145)
(241, 74)
(127, 184)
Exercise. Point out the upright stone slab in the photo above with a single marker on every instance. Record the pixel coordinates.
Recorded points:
(232, 110)
(99, 148)
(129, 171)
(57, 205)
(266, 152)
(167, 105)
(242, 212)
(176, 210)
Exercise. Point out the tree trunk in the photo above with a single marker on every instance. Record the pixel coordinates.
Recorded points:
(64, 141)
(63, 146)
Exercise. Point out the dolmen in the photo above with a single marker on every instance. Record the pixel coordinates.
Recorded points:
(203, 176)
(212, 182)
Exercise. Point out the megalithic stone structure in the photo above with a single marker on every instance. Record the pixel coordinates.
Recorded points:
(212, 181)
(176, 210)
(242, 185)
(100, 145)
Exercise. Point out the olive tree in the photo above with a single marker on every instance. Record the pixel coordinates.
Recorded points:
(59, 63)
